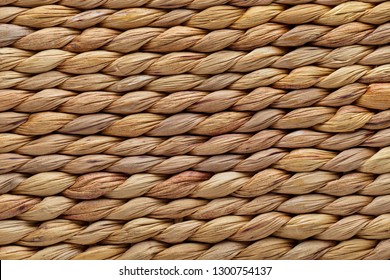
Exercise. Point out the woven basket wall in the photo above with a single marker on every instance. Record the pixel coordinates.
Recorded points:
(194, 129)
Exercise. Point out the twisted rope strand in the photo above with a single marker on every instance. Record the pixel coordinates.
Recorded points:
(308, 76)
(361, 159)
(373, 96)
(346, 119)
(212, 18)
(180, 38)
(36, 209)
(235, 228)
(163, 4)
(267, 248)
(189, 144)
(194, 184)
(114, 63)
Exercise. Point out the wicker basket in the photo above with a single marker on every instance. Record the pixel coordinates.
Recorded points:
(194, 129)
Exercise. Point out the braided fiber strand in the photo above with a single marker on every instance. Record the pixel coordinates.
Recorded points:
(216, 17)
(188, 62)
(361, 159)
(279, 78)
(235, 228)
(159, 39)
(346, 119)
(32, 208)
(189, 144)
(193, 4)
(268, 248)
(194, 129)
(375, 96)
(193, 184)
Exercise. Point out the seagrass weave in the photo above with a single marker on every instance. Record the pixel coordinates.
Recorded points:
(194, 129)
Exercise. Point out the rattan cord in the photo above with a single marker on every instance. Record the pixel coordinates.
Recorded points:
(194, 129)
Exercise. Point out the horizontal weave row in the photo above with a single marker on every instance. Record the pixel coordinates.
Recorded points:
(211, 18)
(179, 38)
(194, 184)
(236, 228)
(34, 208)
(267, 248)
(170, 4)
(360, 159)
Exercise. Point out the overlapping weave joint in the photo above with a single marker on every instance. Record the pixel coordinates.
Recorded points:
(194, 129)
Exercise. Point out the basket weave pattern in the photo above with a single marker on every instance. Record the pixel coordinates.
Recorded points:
(194, 129)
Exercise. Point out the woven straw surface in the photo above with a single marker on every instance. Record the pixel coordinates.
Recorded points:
(194, 129)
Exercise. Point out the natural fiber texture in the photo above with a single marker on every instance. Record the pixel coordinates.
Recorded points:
(194, 129)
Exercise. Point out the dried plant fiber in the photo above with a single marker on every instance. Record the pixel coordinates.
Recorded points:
(194, 129)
